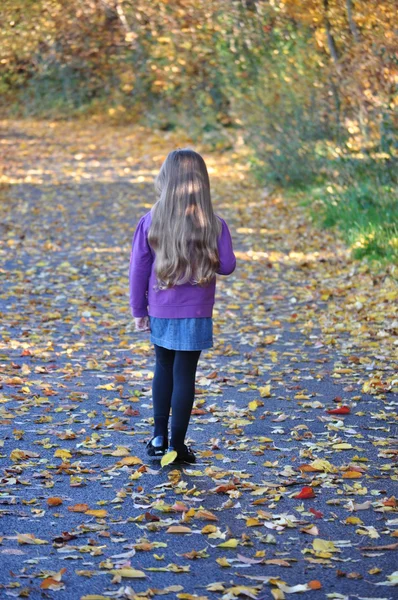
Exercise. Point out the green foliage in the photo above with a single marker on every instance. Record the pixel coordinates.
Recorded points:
(362, 205)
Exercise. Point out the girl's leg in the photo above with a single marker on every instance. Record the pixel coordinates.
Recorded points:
(162, 389)
(184, 372)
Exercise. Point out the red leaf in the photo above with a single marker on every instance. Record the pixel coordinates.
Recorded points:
(317, 513)
(306, 492)
(342, 410)
(151, 517)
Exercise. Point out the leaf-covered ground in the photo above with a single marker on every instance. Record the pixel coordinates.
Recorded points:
(294, 422)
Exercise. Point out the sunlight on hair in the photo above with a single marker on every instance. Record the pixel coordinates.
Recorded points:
(196, 211)
(183, 189)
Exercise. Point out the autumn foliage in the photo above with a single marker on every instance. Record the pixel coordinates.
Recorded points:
(161, 59)
(309, 87)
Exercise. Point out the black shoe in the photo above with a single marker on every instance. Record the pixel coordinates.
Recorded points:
(157, 446)
(184, 454)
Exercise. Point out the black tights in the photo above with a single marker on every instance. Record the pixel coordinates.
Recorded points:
(174, 386)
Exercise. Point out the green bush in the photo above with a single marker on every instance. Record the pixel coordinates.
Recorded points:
(362, 205)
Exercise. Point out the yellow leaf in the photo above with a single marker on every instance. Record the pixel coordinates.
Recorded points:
(342, 446)
(320, 545)
(100, 513)
(277, 594)
(323, 465)
(353, 521)
(265, 392)
(374, 571)
(301, 396)
(168, 458)
(209, 529)
(64, 454)
(29, 538)
(223, 562)
(129, 461)
(120, 451)
(18, 454)
(252, 522)
(253, 405)
(128, 572)
(232, 543)
(217, 586)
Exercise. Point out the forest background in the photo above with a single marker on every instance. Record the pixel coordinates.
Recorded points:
(308, 87)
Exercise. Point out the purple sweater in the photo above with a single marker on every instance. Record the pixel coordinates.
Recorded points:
(180, 301)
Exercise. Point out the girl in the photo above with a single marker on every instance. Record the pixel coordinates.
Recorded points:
(178, 247)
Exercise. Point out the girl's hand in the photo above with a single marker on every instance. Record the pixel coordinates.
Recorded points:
(141, 324)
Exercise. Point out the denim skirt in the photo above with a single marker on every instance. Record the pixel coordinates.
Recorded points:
(182, 334)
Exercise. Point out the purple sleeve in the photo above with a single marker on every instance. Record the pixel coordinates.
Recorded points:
(141, 259)
(225, 251)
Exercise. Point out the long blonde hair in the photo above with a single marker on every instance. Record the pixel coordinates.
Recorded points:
(184, 228)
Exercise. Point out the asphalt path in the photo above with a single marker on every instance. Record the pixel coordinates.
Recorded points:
(76, 377)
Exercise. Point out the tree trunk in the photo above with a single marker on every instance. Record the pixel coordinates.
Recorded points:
(331, 43)
(351, 22)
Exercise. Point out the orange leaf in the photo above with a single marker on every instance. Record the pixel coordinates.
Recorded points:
(78, 508)
(390, 502)
(54, 501)
(178, 529)
(315, 584)
(223, 489)
(308, 468)
(129, 461)
(212, 375)
(50, 584)
(120, 378)
(352, 475)
(206, 514)
(54, 581)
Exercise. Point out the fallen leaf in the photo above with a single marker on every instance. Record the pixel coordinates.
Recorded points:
(168, 458)
(63, 454)
(29, 538)
(99, 513)
(53, 582)
(178, 529)
(54, 501)
(78, 508)
(305, 493)
(341, 410)
(352, 475)
(232, 543)
(265, 391)
(128, 572)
